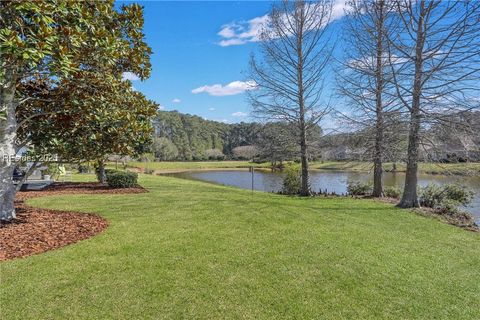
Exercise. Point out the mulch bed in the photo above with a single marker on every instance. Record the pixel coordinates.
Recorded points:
(38, 230)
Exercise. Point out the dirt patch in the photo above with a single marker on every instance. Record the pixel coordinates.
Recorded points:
(38, 230)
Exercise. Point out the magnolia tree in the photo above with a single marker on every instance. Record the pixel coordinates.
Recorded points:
(95, 121)
(55, 40)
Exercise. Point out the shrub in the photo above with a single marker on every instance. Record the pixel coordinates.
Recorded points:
(359, 188)
(430, 195)
(447, 207)
(292, 181)
(449, 210)
(83, 168)
(392, 192)
(434, 195)
(463, 219)
(459, 194)
(121, 179)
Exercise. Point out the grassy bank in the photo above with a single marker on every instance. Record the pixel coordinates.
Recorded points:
(189, 249)
(466, 169)
(186, 165)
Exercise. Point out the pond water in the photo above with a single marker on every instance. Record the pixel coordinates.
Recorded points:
(332, 181)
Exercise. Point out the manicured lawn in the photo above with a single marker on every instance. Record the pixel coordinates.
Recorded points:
(195, 250)
(468, 169)
(82, 177)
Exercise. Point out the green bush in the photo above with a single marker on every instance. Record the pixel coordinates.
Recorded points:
(83, 168)
(359, 188)
(449, 207)
(430, 195)
(121, 179)
(292, 180)
(445, 201)
(110, 171)
(434, 195)
(459, 194)
(449, 210)
(463, 219)
(392, 192)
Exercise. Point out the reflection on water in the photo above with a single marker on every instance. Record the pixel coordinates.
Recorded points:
(332, 181)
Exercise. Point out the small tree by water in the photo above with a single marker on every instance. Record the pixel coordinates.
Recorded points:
(292, 180)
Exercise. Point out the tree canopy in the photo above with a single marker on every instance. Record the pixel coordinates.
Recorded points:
(52, 45)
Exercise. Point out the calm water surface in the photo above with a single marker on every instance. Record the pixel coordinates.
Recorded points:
(332, 181)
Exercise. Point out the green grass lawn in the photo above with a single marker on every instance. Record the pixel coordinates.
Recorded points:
(82, 177)
(468, 169)
(190, 249)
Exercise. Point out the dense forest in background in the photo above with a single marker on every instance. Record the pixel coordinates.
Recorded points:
(181, 136)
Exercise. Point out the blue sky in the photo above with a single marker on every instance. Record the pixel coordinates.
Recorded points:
(201, 47)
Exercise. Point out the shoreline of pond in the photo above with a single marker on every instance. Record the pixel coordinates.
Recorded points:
(269, 170)
(322, 181)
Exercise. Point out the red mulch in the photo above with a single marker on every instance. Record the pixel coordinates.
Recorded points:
(38, 230)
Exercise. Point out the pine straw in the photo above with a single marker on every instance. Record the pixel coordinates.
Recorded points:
(38, 230)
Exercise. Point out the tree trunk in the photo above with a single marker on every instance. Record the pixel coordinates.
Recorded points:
(101, 176)
(377, 172)
(378, 156)
(8, 127)
(410, 198)
(305, 188)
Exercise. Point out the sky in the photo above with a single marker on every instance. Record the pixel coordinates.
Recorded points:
(200, 55)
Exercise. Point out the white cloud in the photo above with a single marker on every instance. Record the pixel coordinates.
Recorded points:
(130, 76)
(241, 32)
(160, 107)
(219, 120)
(369, 62)
(227, 32)
(176, 100)
(232, 42)
(239, 114)
(233, 88)
(211, 109)
(338, 10)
